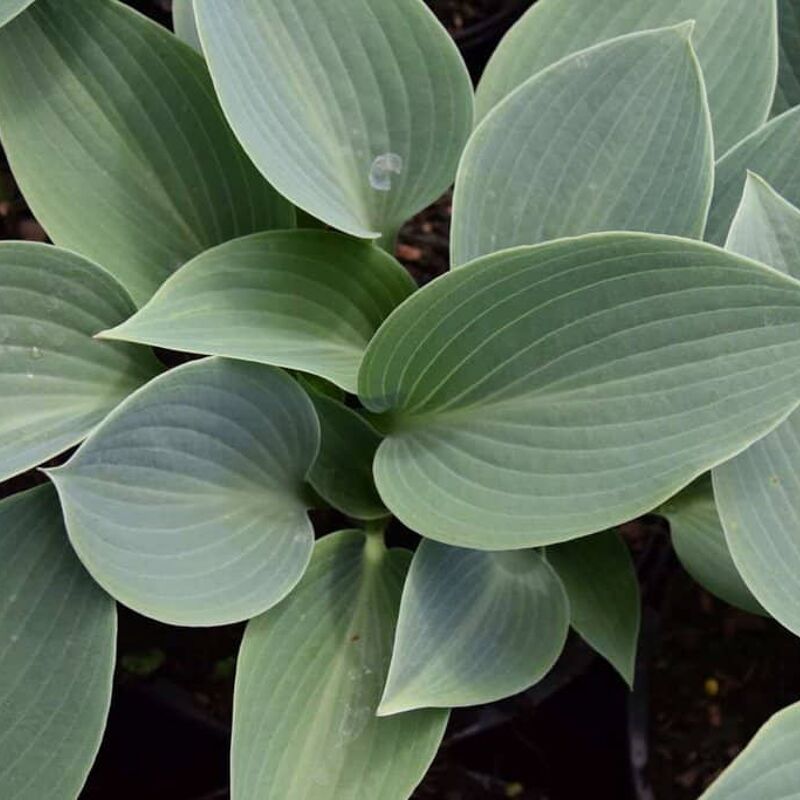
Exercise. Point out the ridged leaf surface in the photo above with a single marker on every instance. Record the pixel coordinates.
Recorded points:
(582, 146)
(474, 627)
(736, 44)
(118, 143)
(187, 504)
(56, 381)
(57, 646)
(544, 392)
(308, 681)
(307, 300)
(356, 110)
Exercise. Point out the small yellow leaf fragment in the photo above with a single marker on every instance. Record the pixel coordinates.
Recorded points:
(711, 687)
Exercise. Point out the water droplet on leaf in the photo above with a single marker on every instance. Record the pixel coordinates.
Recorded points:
(382, 169)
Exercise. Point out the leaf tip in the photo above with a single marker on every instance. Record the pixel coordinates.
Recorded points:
(685, 29)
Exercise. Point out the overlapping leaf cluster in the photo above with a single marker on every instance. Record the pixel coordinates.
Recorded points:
(622, 316)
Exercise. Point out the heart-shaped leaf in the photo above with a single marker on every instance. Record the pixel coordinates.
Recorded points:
(58, 633)
(342, 473)
(187, 503)
(356, 110)
(10, 8)
(307, 300)
(757, 491)
(56, 381)
(699, 542)
(579, 147)
(736, 45)
(308, 680)
(769, 767)
(544, 392)
(474, 627)
(184, 24)
(605, 609)
(118, 143)
(773, 152)
(787, 93)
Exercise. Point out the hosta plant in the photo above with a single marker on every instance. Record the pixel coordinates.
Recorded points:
(621, 316)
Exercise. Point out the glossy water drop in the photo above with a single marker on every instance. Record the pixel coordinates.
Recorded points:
(382, 169)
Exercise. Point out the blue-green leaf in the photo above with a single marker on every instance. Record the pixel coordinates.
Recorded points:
(58, 636)
(474, 627)
(187, 503)
(308, 681)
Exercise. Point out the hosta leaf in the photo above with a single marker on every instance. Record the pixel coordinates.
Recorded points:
(545, 392)
(56, 381)
(600, 579)
(118, 144)
(769, 767)
(356, 110)
(736, 44)
(773, 152)
(58, 634)
(766, 227)
(787, 93)
(699, 542)
(184, 25)
(342, 473)
(307, 300)
(187, 502)
(757, 492)
(474, 627)
(10, 8)
(579, 148)
(308, 681)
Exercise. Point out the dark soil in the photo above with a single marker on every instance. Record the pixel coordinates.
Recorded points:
(458, 15)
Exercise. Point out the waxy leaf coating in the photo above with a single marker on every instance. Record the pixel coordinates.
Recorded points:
(474, 627)
(57, 646)
(605, 608)
(736, 43)
(539, 394)
(356, 110)
(582, 146)
(757, 491)
(56, 381)
(115, 137)
(308, 680)
(188, 503)
(307, 300)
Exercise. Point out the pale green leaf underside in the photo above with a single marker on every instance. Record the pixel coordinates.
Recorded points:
(184, 25)
(356, 110)
(772, 152)
(118, 143)
(56, 381)
(307, 300)
(758, 491)
(787, 92)
(769, 767)
(342, 473)
(10, 8)
(582, 146)
(546, 392)
(736, 45)
(474, 627)
(308, 680)
(699, 542)
(187, 503)
(766, 228)
(605, 609)
(758, 496)
(57, 647)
